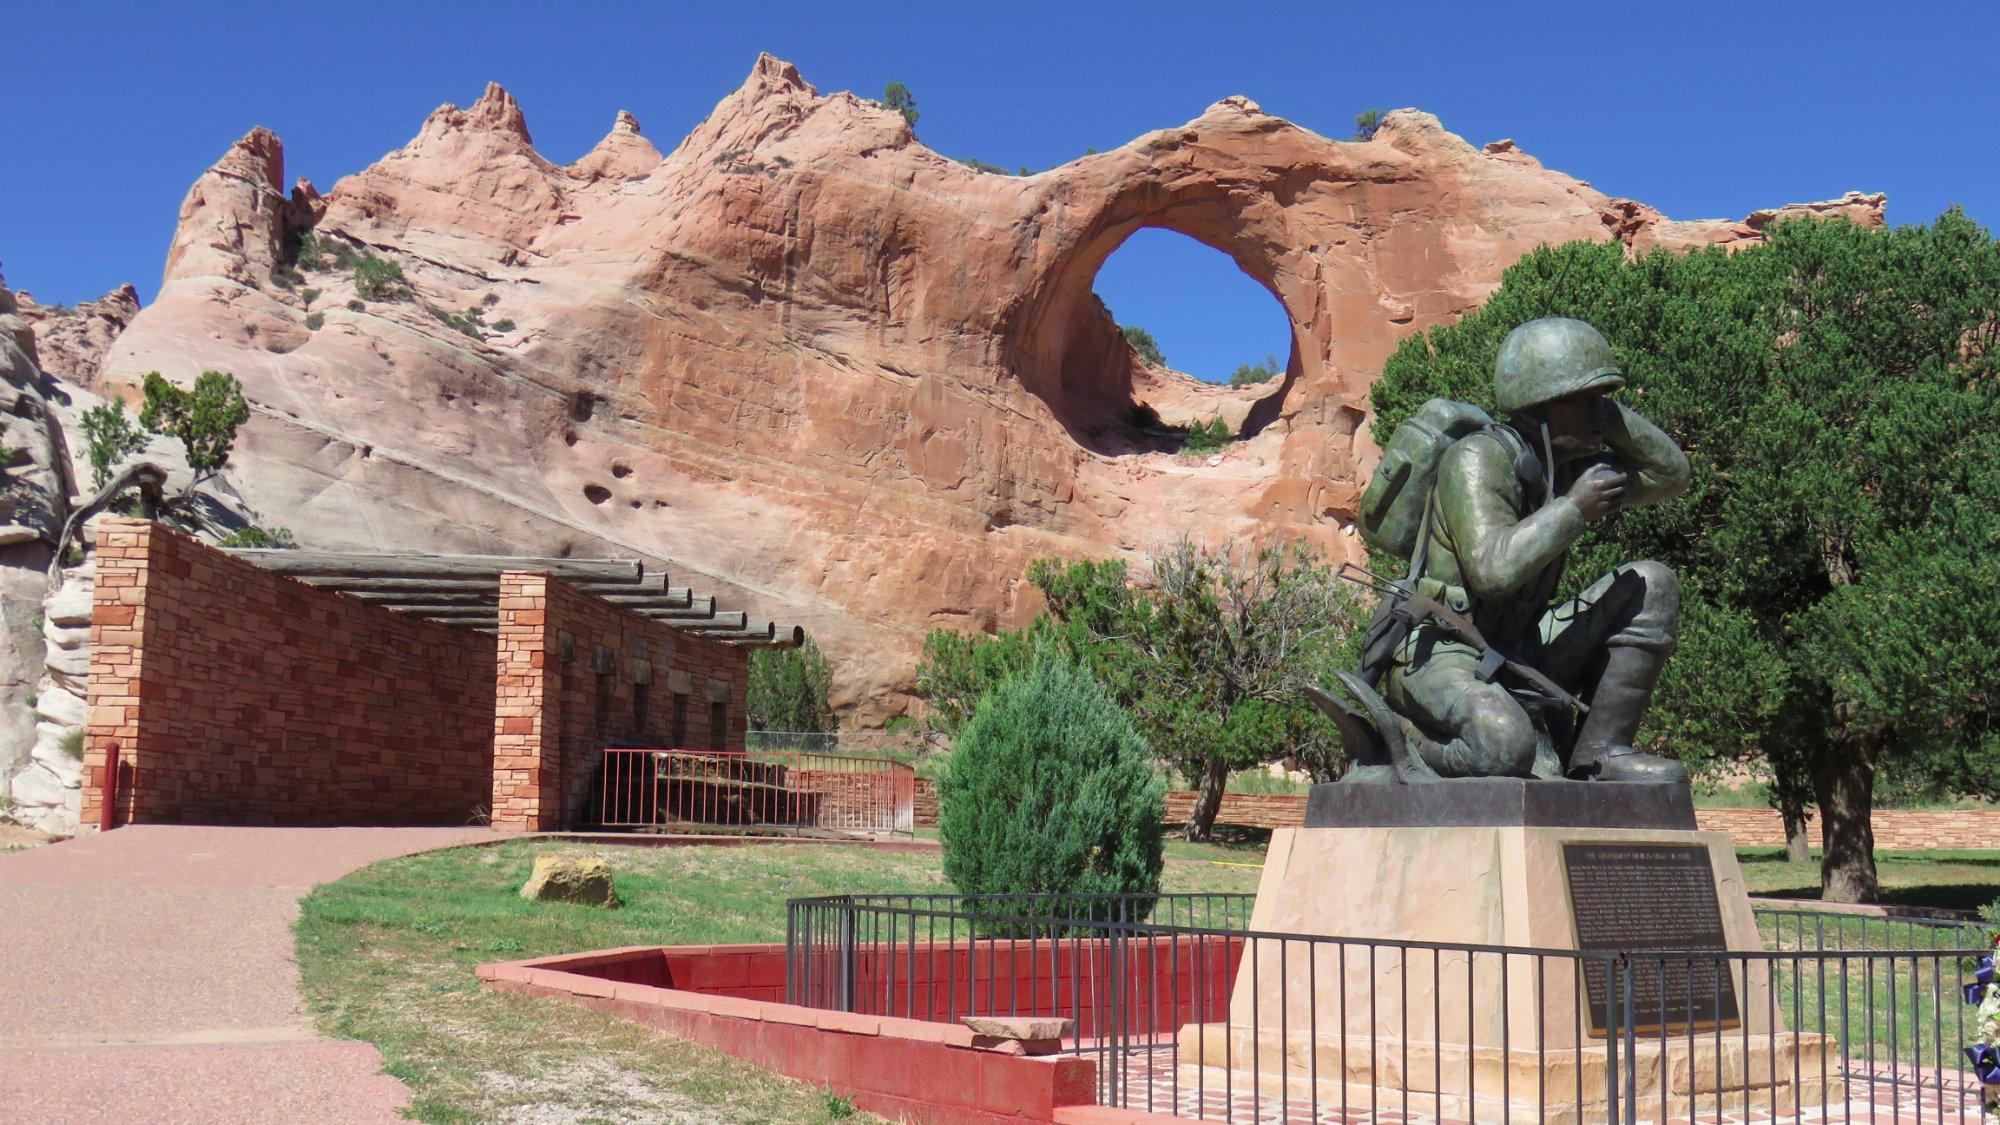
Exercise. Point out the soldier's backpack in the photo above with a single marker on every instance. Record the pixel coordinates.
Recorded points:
(1393, 504)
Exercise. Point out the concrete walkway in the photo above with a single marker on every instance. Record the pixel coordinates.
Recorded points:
(146, 974)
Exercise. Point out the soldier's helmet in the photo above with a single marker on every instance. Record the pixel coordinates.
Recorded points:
(1547, 359)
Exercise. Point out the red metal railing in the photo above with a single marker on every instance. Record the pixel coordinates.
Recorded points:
(763, 790)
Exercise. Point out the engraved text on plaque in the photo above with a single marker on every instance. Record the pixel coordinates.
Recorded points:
(1650, 900)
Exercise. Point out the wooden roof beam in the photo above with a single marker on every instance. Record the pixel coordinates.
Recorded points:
(299, 563)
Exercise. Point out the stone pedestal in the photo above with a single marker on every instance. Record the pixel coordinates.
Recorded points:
(1474, 1033)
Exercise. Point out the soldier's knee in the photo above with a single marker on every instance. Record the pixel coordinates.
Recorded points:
(1500, 734)
(1656, 620)
(1663, 586)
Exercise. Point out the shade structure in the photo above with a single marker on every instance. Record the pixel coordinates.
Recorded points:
(464, 590)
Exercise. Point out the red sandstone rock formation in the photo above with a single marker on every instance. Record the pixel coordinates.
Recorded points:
(807, 359)
(73, 341)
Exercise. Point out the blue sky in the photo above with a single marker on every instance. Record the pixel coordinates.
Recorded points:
(1702, 110)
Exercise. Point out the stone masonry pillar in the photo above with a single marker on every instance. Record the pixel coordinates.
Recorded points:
(526, 744)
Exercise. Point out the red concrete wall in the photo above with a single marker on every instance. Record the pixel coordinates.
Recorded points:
(572, 670)
(730, 997)
(238, 696)
(1168, 981)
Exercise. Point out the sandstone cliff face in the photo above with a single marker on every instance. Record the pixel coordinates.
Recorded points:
(71, 342)
(34, 495)
(809, 361)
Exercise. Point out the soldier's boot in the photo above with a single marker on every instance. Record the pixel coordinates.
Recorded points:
(1604, 749)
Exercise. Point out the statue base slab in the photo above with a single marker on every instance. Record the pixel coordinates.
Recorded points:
(1509, 1014)
(1501, 802)
(1362, 1078)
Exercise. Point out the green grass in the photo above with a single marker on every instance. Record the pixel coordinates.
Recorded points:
(1952, 880)
(386, 955)
(1902, 1008)
(1907, 1009)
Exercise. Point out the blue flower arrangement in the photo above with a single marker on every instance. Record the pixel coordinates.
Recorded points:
(1985, 1050)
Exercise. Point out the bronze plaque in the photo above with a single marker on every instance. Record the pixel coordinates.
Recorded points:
(1651, 901)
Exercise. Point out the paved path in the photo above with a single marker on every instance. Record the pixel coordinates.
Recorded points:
(146, 975)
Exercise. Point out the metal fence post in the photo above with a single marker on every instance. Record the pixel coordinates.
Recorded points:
(850, 949)
(1115, 995)
(1631, 1034)
(107, 793)
(792, 947)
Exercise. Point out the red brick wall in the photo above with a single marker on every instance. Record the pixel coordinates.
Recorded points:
(237, 696)
(1895, 829)
(1251, 810)
(555, 713)
(1905, 830)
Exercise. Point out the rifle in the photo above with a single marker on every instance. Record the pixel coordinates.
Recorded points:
(1429, 608)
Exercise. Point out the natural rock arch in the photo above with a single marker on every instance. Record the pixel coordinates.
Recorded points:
(1075, 358)
(852, 382)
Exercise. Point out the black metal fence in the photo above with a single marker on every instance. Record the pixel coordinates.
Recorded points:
(1187, 1010)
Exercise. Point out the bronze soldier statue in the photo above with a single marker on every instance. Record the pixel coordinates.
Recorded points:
(1490, 675)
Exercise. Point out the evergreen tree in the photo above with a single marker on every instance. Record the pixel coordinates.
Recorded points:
(897, 96)
(1837, 390)
(1251, 374)
(109, 438)
(1208, 658)
(1143, 343)
(789, 689)
(203, 418)
(1207, 437)
(1049, 791)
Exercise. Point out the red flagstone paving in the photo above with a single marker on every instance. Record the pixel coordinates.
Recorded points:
(149, 977)
(1875, 1093)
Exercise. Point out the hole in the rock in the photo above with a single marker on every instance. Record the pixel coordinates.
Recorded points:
(1209, 319)
(620, 470)
(1174, 346)
(581, 405)
(596, 493)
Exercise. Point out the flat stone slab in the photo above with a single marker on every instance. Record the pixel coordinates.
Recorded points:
(1501, 802)
(1020, 1027)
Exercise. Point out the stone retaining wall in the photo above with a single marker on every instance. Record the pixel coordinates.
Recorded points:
(1895, 829)
(238, 696)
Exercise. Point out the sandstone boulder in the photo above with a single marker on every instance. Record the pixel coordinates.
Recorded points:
(581, 879)
(70, 606)
(1021, 1027)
